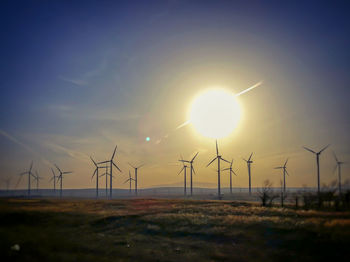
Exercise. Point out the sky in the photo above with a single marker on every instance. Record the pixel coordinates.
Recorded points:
(79, 77)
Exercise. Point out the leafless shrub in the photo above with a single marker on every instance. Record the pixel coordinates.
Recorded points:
(266, 194)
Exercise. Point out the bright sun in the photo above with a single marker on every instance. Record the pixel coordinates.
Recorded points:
(215, 113)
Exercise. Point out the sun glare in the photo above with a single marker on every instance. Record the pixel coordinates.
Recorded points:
(215, 113)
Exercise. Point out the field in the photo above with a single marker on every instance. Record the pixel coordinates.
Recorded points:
(168, 230)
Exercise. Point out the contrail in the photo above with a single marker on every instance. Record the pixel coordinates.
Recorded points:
(250, 88)
(16, 141)
(240, 93)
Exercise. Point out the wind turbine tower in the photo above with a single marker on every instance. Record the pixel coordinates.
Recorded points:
(231, 172)
(218, 157)
(338, 166)
(130, 179)
(60, 177)
(29, 173)
(285, 172)
(184, 168)
(54, 180)
(135, 179)
(249, 162)
(317, 163)
(191, 170)
(111, 163)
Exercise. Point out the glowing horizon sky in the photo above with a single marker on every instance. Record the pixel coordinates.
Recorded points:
(77, 78)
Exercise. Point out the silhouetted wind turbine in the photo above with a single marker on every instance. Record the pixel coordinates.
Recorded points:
(37, 178)
(249, 162)
(191, 169)
(54, 181)
(130, 179)
(97, 176)
(284, 167)
(339, 163)
(135, 179)
(184, 168)
(106, 174)
(231, 172)
(218, 157)
(60, 177)
(318, 164)
(111, 162)
(29, 173)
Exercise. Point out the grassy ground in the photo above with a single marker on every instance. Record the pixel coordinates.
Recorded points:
(168, 230)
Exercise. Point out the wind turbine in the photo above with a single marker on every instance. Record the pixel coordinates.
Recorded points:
(184, 168)
(231, 172)
(60, 177)
(29, 173)
(191, 169)
(106, 174)
(339, 163)
(284, 167)
(318, 164)
(218, 157)
(111, 162)
(97, 176)
(249, 162)
(129, 180)
(37, 178)
(54, 180)
(135, 179)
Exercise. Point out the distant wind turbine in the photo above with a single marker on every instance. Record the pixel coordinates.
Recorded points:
(231, 172)
(130, 179)
(60, 177)
(285, 172)
(37, 178)
(111, 162)
(317, 163)
(218, 157)
(191, 169)
(106, 174)
(97, 175)
(29, 173)
(249, 162)
(184, 168)
(338, 166)
(136, 168)
(54, 181)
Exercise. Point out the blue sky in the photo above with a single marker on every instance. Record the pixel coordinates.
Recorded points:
(78, 77)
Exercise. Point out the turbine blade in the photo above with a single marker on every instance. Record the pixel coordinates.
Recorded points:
(31, 166)
(104, 162)
(93, 161)
(335, 157)
(279, 167)
(58, 168)
(287, 172)
(308, 149)
(285, 163)
(140, 166)
(19, 180)
(195, 156)
(193, 170)
(67, 172)
(53, 172)
(226, 169)
(126, 181)
(115, 149)
(51, 179)
(181, 171)
(234, 172)
(225, 160)
(95, 172)
(217, 149)
(117, 167)
(324, 148)
(212, 161)
(250, 156)
(131, 165)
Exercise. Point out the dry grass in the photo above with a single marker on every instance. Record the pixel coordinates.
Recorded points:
(168, 230)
